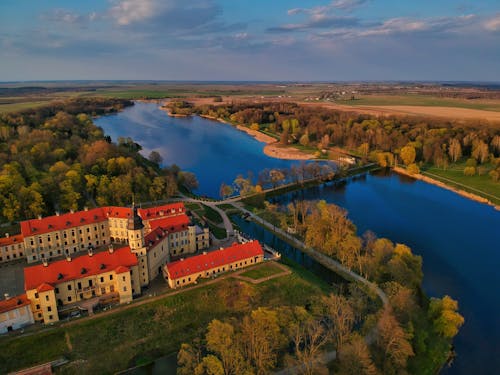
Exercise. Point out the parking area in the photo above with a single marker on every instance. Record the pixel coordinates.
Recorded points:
(12, 278)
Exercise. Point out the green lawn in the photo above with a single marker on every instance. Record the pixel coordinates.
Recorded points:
(121, 340)
(422, 100)
(261, 271)
(454, 176)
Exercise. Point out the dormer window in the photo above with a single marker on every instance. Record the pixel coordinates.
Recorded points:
(83, 271)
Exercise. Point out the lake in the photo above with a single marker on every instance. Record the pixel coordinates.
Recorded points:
(457, 238)
(214, 151)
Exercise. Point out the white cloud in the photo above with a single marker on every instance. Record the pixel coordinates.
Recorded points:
(126, 12)
(493, 24)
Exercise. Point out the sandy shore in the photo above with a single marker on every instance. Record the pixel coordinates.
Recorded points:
(274, 149)
(442, 185)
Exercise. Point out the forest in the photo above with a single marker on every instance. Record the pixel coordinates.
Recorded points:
(389, 140)
(54, 158)
(411, 334)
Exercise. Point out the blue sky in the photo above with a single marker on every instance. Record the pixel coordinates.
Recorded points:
(250, 40)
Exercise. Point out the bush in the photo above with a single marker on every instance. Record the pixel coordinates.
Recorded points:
(413, 169)
(469, 171)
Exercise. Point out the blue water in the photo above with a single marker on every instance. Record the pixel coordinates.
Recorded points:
(215, 152)
(457, 238)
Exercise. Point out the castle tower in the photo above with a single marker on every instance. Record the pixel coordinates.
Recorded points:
(135, 231)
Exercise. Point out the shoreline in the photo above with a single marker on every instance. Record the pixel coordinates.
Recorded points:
(272, 147)
(432, 181)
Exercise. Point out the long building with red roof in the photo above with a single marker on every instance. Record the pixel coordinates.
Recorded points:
(187, 271)
(70, 233)
(50, 286)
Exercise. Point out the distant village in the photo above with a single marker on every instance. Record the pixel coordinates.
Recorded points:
(105, 256)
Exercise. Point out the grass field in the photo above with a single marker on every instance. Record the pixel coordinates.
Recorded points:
(454, 176)
(261, 271)
(143, 333)
(422, 100)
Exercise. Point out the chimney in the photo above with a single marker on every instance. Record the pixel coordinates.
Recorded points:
(204, 253)
(68, 258)
(182, 259)
(45, 263)
(7, 235)
(72, 211)
(110, 249)
(85, 208)
(57, 213)
(91, 252)
(7, 297)
(39, 217)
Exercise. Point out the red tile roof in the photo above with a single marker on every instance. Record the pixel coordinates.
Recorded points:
(171, 224)
(217, 258)
(154, 237)
(62, 270)
(5, 241)
(70, 220)
(118, 212)
(162, 211)
(44, 288)
(14, 303)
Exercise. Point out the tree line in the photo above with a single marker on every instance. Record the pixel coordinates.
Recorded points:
(54, 158)
(414, 141)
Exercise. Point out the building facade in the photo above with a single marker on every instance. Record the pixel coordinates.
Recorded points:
(15, 313)
(11, 248)
(188, 271)
(112, 274)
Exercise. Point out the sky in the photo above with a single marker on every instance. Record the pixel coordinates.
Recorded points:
(264, 40)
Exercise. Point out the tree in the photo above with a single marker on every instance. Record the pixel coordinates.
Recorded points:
(413, 169)
(469, 171)
(455, 150)
(210, 365)
(480, 151)
(261, 338)
(393, 342)
(408, 154)
(188, 358)
(189, 180)
(155, 157)
(444, 314)
(225, 190)
(309, 338)
(355, 358)
(341, 316)
(158, 188)
(304, 140)
(276, 177)
(220, 339)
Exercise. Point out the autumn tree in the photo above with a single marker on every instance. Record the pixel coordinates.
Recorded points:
(355, 358)
(341, 318)
(309, 339)
(444, 314)
(393, 342)
(455, 150)
(408, 154)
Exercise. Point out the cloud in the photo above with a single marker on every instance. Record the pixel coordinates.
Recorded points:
(125, 12)
(65, 16)
(317, 21)
(344, 5)
(493, 24)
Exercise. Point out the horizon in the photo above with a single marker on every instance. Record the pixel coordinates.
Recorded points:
(250, 41)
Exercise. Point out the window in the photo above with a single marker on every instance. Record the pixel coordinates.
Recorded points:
(124, 288)
(111, 277)
(50, 317)
(37, 307)
(39, 315)
(47, 297)
(57, 290)
(36, 295)
(69, 298)
(102, 279)
(49, 308)
(69, 286)
(123, 278)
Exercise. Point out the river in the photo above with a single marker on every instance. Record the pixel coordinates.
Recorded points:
(457, 238)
